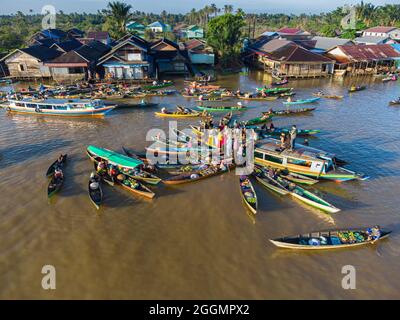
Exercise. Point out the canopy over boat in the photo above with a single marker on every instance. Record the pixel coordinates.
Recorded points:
(114, 157)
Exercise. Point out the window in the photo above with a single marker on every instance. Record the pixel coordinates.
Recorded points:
(273, 159)
(21, 67)
(258, 155)
(299, 162)
(134, 57)
(76, 70)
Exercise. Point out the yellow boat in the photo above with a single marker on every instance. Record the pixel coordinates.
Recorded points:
(178, 115)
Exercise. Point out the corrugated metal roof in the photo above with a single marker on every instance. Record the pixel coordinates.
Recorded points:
(371, 39)
(380, 29)
(373, 52)
(290, 30)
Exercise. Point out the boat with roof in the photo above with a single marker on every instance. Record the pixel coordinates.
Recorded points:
(304, 160)
(60, 107)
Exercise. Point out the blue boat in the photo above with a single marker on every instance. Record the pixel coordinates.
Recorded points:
(302, 101)
(60, 107)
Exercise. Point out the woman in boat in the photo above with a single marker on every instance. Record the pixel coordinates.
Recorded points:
(289, 99)
(102, 167)
(306, 143)
(58, 174)
(94, 181)
(283, 141)
(374, 233)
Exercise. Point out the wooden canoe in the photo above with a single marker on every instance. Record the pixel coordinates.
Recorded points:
(268, 183)
(330, 239)
(258, 98)
(54, 186)
(201, 174)
(95, 195)
(248, 194)
(135, 187)
(55, 164)
(302, 101)
(178, 115)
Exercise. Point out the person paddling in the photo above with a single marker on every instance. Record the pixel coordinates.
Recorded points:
(293, 136)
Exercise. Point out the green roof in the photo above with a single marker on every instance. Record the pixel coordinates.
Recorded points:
(114, 157)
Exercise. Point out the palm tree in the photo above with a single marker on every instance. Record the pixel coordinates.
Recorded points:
(228, 8)
(214, 9)
(121, 14)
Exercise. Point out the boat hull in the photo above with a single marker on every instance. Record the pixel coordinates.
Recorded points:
(100, 112)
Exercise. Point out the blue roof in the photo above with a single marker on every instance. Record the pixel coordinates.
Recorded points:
(269, 33)
(157, 24)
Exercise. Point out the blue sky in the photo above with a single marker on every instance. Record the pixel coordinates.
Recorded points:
(180, 6)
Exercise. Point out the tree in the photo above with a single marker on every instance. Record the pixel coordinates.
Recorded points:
(119, 13)
(225, 35)
(228, 8)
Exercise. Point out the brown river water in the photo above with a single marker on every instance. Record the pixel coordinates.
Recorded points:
(196, 241)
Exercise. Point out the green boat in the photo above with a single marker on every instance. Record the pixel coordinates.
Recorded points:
(259, 120)
(114, 157)
(159, 86)
(221, 108)
(275, 90)
(278, 131)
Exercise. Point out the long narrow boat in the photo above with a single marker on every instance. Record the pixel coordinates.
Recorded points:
(95, 191)
(278, 131)
(257, 98)
(259, 120)
(136, 105)
(248, 194)
(394, 102)
(331, 239)
(159, 86)
(327, 96)
(135, 186)
(54, 107)
(280, 83)
(201, 174)
(271, 184)
(222, 108)
(304, 160)
(292, 112)
(307, 196)
(56, 164)
(274, 90)
(143, 176)
(178, 114)
(358, 88)
(114, 158)
(302, 101)
(297, 178)
(54, 186)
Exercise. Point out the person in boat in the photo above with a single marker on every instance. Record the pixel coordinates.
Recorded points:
(353, 88)
(240, 105)
(289, 99)
(306, 143)
(374, 233)
(271, 173)
(201, 97)
(94, 181)
(101, 167)
(112, 171)
(293, 136)
(154, 83)
(283, 141)
(58, 174)
(271, 127)
(163, 110)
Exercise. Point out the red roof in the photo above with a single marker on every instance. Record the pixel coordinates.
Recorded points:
(194, 43)
(366, 52)
(290, 30)
(98, 35)
(380, 29)
(292, 53)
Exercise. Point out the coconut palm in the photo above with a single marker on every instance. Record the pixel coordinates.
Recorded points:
(120, 13)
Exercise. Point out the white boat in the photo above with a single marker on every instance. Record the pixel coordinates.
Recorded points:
(60, 107)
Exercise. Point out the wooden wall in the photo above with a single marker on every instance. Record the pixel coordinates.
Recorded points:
(33, 68)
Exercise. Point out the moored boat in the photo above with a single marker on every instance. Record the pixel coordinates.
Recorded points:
(331, 239)
(113, 158)
(289, 112)
(259, 120)
(158, 85)
(257, 98)
(248, 194)
(357, 88)
(134, 186)
(222, 108)
(208, 171)
(54, 107)
(178, 114)
(276, 131)
(304, 160)
(302, 101)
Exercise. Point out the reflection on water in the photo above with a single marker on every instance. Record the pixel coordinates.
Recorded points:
(197, 240)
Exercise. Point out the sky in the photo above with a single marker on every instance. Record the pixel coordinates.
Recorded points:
(183, 6)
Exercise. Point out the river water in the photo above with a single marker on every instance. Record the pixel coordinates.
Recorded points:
(196, 241)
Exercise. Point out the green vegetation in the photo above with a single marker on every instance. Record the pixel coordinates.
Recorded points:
(16, 29)
(224, 34)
